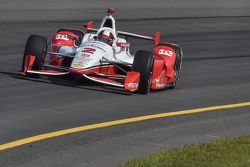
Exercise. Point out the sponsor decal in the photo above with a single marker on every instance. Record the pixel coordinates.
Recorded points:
(89, 50)
(165, 52)
(62, 37)
(123, 44)
(132, 85)
(85, 55)
(159, 83)
(96, 44)
(78, 65)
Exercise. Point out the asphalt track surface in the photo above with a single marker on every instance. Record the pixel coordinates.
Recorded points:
(216, 71)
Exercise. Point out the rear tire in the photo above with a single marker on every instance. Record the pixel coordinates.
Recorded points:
(177, 68)
(36, 46)
(143, 63)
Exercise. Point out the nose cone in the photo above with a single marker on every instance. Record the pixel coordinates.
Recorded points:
(91, 54)
(87, 57)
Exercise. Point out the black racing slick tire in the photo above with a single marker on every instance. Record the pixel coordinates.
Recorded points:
(177, 68)
(37, 46)
(143, 63)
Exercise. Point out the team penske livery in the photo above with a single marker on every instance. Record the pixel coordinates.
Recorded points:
(103, 55)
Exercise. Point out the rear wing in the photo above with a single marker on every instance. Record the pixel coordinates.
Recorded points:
(155, 38)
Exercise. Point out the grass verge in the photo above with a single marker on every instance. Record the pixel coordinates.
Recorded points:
(222, 153)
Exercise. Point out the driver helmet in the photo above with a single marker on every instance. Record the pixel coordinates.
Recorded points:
(106, 36)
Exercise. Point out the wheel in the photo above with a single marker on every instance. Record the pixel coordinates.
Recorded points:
(143, 63)
(37, 46)
(177, 68)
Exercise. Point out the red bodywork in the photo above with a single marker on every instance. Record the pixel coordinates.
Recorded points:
(163, 73)
(62, 38)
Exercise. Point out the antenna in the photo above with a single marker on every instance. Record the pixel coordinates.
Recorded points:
(110, 10)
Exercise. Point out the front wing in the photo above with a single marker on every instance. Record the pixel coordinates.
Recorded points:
(129, 82)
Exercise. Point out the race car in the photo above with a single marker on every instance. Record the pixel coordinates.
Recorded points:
(103, 55)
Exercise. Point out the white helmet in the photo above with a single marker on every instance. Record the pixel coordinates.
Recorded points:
(106, 36)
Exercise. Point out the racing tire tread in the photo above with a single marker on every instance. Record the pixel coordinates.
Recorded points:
(143, 63)
(37, 46)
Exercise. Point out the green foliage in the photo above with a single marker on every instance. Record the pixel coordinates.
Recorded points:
(221, 153)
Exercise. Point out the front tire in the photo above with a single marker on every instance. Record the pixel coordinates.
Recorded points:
(143, 63)
(36, 46)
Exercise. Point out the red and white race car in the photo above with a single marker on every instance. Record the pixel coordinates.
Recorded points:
(103, 55)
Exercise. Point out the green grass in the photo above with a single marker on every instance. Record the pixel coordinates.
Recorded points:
(221, 153)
